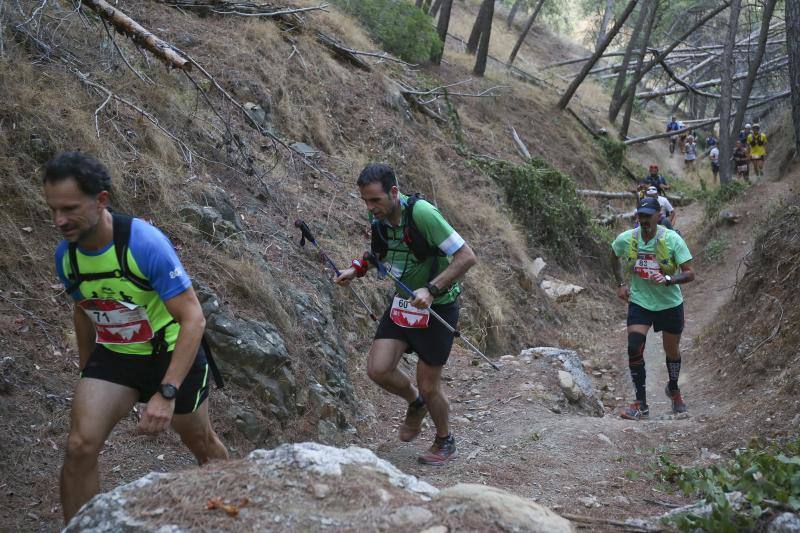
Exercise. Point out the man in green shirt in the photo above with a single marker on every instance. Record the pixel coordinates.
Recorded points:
(428, 256)
(657, 260)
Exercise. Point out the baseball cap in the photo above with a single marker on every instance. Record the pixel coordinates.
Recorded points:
(648, 206)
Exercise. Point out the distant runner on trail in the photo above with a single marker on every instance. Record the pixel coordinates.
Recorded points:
(757, 142)
(713, 156)
(654, 179)
(672, 125)
(690, 153)
(743, 134)
(657, 260)
(138, 327)
(741, 158)
(428, 256)
(667, 216)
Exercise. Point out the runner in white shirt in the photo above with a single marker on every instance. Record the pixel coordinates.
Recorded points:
(667, 218)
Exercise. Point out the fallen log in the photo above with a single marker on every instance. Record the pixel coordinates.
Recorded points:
(606, 220)
(605, 194)
(129, 27)
(341, 52)
(521, 148)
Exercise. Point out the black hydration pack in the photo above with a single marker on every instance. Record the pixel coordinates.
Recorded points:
(412, 237)
(121, 225)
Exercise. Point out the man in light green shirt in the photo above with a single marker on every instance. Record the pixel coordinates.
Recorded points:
(657, 261)
(428, 255)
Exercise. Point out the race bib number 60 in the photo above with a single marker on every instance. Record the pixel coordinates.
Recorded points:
(118, 322)
(406, 315)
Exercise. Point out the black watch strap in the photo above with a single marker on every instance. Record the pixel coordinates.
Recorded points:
(433, 289)
(168, 391)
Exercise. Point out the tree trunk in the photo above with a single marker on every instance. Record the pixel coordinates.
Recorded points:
(441, 29)
(570, 92)
(664, 53)
(486, 33)
(419, 4)
(601, 33)
(525, 31)
(475, 34)
(513, 13)
(435, 8)
(793, 46)
(650, 7)
(727, 66)
(747, 87)
(633, 42)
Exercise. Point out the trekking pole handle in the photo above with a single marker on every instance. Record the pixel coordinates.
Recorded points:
(308, 236)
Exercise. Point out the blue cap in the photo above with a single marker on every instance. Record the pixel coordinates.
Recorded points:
(648, 206)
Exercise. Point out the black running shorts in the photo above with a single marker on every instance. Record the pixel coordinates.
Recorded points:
(669, 320)
(144, 373)
(432, 344)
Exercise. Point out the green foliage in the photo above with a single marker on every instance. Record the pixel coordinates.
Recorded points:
(400, 27)
(545, 202)
(767, 477)
(717, 198)
(715, 248)
(614, 150)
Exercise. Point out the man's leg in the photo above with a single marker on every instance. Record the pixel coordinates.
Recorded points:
(671, 343)
(197, 434)
(429, 379)
(96, 408)
(384, 356)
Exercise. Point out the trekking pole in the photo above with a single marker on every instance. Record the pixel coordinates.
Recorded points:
(308, 236)
(384, 272)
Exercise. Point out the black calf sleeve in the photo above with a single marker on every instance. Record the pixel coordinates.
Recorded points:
(636, 342)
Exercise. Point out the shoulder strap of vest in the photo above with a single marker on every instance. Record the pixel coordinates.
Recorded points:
(122, 236)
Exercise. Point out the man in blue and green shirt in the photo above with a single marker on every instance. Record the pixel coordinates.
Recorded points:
(428, 255)
(138, 334)
(657, 261)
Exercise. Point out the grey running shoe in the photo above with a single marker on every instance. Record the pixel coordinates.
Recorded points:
(635, 412)
(412, 425)
(678, 405)
(442, 452)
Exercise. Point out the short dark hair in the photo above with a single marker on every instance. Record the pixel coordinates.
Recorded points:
(378, 173)
(90, 174)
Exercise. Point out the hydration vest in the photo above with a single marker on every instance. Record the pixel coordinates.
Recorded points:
(121, 227)
(412, 237)
(663, 255)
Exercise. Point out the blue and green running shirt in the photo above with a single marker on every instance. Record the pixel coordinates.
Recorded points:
(150, 256)
(646, 293)
(432, 225)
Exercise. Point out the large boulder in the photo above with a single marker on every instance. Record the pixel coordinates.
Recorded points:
(252, 354)
(574, 383)
(307, 487)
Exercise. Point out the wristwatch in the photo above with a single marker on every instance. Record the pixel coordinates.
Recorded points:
(433, 289)
(667, 280)
(168, 391)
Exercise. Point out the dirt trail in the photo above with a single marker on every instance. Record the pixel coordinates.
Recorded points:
(512, 433)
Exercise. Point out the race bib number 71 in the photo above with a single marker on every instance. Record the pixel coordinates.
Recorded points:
(118, 322)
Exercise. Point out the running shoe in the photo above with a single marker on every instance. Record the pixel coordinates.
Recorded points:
(442, 452)
(635, 412)
(678, 405)
(412, 425)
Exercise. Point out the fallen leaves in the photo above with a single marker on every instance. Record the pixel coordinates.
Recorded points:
(231, 509)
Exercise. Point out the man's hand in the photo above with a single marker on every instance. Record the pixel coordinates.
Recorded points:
(623, 293)
(422, 298)
(658, 278)
(345, 277)
(157, 415)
